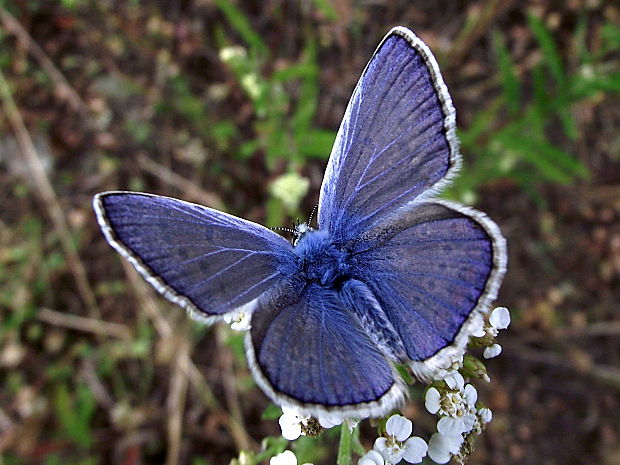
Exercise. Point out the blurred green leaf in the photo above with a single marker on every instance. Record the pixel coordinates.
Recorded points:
(75, 411)
(509, 79)
(242, 26)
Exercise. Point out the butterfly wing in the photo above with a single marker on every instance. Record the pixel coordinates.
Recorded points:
(396, 141)
(205, 260)
(312, 353)
(434, 272)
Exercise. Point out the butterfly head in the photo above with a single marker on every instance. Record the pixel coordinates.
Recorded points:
(301, 229)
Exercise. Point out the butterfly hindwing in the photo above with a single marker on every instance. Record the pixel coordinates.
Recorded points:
(434, 273)
(312, 353)
(207, 261)
(396, 141)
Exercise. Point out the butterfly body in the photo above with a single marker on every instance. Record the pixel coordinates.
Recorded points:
(391, 274)
(320, 260)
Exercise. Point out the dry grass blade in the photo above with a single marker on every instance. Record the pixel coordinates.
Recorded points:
(478, 25)
(87, 325)
(46, 194)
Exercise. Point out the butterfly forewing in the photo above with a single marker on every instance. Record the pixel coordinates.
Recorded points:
(206, 260)
(396, 141)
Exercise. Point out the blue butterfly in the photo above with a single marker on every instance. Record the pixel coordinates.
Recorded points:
(391, 275)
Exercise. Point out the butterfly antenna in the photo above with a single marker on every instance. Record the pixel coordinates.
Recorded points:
(289, 230)
(316, 205)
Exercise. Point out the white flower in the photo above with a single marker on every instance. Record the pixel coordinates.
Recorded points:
(415, 449)
(290, 189)
(372, 457)
(290, 423)
(239, 321)
(455, 364)
(285, 458)
(492, 351)
(399, 427)
(471, 395)
(398, 445)
(451, 426)
(485, 414)
(441, 447)
(251, 84)
(455, 381)
(500, 318)
(228, 54)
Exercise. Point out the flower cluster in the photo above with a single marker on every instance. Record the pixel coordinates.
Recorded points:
(460, 419)
(396, 445)
(499, 319)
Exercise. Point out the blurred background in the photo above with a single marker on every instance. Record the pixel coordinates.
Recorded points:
(235, 105)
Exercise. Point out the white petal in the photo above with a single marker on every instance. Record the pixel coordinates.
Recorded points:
(394, 455)
(454, 443)
(438, 449)
(479, 333)
(290, 411)
(329, 420)
(380, 445)
(399, 427)
(455, 381)
(290, 426)
(471, 395)
(469, 420)
(492, 351)
(450, 426)
(371, 457)
(285, 458)
(415, 449)
(431, 400)
(485, 414)
(500, 318)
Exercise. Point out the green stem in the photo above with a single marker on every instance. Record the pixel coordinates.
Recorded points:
(344, 450)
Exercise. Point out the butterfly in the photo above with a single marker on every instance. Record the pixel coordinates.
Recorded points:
(391, 276)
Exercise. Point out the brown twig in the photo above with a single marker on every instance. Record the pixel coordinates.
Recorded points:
(603, 374)
(607, 328)
(233, 403)
(192, 191)
(175, 404)
(87, 325)
(46, 194)
(64, 89)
